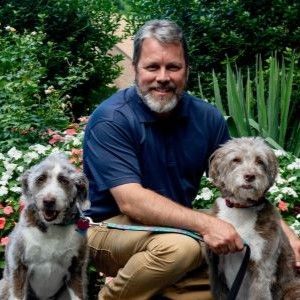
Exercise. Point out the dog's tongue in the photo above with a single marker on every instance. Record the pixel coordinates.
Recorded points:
(50, 215)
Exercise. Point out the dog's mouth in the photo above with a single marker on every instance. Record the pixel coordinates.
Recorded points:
(50, 214)
(247, 186)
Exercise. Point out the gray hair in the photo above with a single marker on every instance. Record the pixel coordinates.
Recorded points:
(164, 31)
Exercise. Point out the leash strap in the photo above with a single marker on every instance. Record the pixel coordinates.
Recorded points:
(159, 229)
(240, 275)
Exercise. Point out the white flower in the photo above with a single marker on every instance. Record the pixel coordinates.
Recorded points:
(40, 149)
(273, 189)
(278, 198)
(9, 28)
(76, 142)
(3, 182)
(6, 176)
(2, 157)
(206, 194)
(30, 156)
(294, 165)
(49, 90)
(280, 180)
(14, 153)
(20, 169)
(9, 167)
(293, 178)
(289, 191)
(296, 227)
(16, 189)
(3, 190)
(280, 153)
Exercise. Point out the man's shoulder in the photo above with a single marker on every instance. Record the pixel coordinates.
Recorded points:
(111, 108)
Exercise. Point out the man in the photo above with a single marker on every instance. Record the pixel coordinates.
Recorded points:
(145, 150)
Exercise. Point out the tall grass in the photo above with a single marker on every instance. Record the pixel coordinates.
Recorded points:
(261, 106)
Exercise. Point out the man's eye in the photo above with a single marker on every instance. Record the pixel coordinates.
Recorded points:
(151, 68)
(173, 68)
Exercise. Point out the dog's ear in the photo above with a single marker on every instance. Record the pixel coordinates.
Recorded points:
(214, 165)
(25, 185)
(272, 166)
(81, 183)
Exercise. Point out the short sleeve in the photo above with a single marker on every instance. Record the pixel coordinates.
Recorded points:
(110, 155)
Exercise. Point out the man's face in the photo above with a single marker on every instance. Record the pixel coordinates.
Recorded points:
(161, 74)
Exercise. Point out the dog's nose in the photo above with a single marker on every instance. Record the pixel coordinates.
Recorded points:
(249, 177)
(49, 202)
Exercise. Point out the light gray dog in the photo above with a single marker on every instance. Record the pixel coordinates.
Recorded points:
(46, 257)
(244, 169)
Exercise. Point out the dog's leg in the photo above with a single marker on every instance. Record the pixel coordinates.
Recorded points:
(217, 279)
(260, 287)
(19, 283)
(4, 289)
(77, 282)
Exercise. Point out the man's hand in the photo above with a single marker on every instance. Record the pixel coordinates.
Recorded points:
(294, 241)
(221, 237)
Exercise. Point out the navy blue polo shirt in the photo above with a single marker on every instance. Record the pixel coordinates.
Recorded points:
(125, 142)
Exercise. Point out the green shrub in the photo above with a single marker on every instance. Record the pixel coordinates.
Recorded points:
(215, 30)
(26, 107)
(80, 33)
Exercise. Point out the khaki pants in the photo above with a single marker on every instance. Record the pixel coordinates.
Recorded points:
(144, 264)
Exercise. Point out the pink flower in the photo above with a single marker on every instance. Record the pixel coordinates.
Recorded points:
(2, 222)
(55, 138)
(4, 241)
(51, 132)
(8, 210)
(71, 131)
(76, 152)
(283, 206)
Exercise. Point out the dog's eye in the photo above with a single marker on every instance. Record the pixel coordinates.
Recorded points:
(259, 161)
(42, 178)
(236, 160)
(63, 180)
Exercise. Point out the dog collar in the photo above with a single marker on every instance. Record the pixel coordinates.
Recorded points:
(252, 203)
(82, 225)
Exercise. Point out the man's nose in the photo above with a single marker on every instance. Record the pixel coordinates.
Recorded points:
(163, 75)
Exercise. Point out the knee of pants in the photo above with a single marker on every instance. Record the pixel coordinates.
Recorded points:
(176, 251)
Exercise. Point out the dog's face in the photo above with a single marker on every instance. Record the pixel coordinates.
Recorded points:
(54, 186)
(244, 168)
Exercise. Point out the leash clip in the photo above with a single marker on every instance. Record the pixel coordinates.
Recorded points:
(92, 223)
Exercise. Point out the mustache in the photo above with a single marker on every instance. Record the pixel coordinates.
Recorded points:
(164, 85)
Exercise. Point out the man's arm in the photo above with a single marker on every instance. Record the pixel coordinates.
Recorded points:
(294, 241)
(148, 207)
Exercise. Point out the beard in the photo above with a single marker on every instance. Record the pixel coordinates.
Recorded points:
(160, 104)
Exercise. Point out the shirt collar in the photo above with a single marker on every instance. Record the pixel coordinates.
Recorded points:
(145, 115)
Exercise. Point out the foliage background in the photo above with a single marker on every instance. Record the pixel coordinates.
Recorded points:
(237, 32)
(74, 53)
(216, 30)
